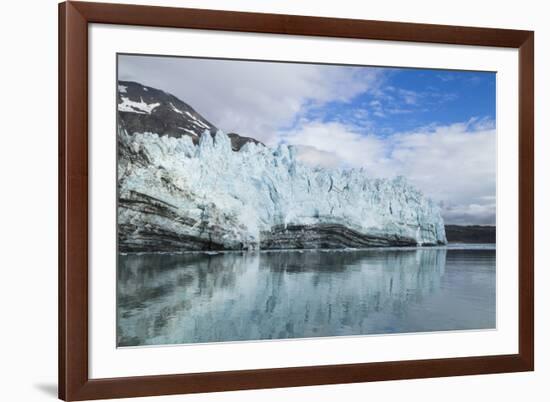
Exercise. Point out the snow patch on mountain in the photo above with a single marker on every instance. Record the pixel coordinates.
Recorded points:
(140, 107)
(175, 109)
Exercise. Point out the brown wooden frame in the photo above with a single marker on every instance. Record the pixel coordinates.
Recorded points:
(74, 383)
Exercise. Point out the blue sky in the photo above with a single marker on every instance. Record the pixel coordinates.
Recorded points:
(435, 127)
(407, 99)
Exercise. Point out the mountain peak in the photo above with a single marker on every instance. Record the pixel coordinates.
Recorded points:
(144, 109)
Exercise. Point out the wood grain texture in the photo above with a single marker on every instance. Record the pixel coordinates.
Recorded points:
(298, 25)
(74, 382)
(526, 201)
(73, 201)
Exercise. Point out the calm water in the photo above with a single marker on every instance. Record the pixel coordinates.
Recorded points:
(187, 298)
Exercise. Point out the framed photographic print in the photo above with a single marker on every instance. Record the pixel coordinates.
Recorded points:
(258, 200)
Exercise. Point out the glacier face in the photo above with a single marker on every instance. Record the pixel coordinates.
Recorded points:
(177, 196)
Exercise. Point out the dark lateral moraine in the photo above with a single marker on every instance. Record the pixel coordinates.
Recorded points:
(325, 236)
(330, 236)
(156, 238)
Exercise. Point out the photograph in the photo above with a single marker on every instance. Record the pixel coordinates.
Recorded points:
(259, 201)
(262, 200)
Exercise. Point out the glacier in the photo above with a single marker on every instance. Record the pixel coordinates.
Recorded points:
(174, 195)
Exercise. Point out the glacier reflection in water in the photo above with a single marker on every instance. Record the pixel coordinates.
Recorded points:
(198, 297)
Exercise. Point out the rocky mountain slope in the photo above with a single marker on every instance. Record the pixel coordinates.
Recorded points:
(143, 109)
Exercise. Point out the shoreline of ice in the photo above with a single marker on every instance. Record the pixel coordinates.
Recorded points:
(450, 246)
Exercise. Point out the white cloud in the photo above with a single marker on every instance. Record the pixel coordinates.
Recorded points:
(470, 213)
(409, 97)
(455, 165)
(342, 142)
(315, 157)
(257, 102)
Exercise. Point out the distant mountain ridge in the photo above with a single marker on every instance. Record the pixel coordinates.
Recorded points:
(143, 109)
(470, 234)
